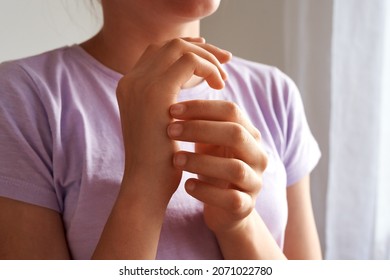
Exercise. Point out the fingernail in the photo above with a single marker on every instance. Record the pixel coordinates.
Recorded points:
(175, 129)
(180, 159)
(177, 109)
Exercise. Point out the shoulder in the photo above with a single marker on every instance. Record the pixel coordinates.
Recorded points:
(38, 60)
(270, 99)
(58, 71)
(41, 65)
(255, 72)
(262, 88)
(34, 73)
(31, 88)
(23, 80)
(265, 83)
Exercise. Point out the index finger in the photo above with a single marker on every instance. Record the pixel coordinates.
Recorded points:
(213, 110)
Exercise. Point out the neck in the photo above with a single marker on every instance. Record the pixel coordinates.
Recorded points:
(119, 46)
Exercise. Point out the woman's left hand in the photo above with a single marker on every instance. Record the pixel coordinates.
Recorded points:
(229, 160)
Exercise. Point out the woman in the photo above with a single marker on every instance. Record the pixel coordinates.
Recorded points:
(94, 174)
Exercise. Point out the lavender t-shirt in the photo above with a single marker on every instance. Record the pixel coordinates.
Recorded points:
(61, 146)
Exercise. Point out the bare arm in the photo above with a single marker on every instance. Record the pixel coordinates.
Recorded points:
(301, 238)
(144, 97)
(150, 179)
(230, 161)
(133, 228)
(301, 241)
(30, 232)
(252, 241)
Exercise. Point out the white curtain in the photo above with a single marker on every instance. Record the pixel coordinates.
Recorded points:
(338, 51)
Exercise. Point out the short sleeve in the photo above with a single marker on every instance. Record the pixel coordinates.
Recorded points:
(26, 172)
(301, 152)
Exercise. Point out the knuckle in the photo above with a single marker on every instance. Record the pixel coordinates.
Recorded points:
(259, 159)
(263, 161)
(259, 165)
(257, 134)
(240, 206)
(124, 86)
(176, 43)
(259, 184)
(238, 135)
(190, 58)
(238, 171)
(151, 48)
(233, 111)
(237, 204)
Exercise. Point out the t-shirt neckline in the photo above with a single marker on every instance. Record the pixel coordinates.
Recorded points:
(202, 86)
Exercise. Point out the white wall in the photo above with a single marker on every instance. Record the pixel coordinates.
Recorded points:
(252, 29)
(308, 39)
(32, 26)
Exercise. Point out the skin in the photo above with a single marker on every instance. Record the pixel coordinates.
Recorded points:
(136, 35)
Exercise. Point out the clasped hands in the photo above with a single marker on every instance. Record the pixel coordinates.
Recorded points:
(228, 159)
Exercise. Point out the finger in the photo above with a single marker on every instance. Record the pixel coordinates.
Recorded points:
(226, 134)
(236, 172)
(194, 39)
(213, 110)
(153, 48)
(188, 65)
(222, 55)
(176, 48)
(237, 203)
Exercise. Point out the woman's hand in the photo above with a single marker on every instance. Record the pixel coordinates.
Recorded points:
(228, 158)
(144, 97)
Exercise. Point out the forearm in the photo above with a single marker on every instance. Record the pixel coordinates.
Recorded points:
(133, 229)
(301, 238)
(249, 240)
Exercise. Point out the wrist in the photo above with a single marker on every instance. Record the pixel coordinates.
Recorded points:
(239, 227)
(249, 239)
(142, 192)
(147, 186)
(133, 228)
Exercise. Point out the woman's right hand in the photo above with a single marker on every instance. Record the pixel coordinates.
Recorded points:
(145, 95)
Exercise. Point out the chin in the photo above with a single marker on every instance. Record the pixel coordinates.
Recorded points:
(195, 9)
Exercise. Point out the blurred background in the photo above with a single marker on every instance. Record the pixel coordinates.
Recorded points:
(338, 53)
